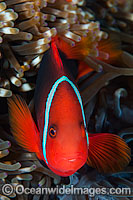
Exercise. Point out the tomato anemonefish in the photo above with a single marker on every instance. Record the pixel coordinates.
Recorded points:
(60, 137)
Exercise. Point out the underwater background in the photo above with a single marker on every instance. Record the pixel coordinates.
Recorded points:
(26, 30)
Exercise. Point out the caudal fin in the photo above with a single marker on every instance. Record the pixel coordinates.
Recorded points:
(108, 153)
(22, 125)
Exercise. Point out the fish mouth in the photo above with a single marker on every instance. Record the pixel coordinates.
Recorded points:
(78, 156)
(67, 166)
(72, 159)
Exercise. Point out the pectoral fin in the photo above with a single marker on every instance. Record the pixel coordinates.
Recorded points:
(108, 153)
(22, 125)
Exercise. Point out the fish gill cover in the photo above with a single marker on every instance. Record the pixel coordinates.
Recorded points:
(26, 31)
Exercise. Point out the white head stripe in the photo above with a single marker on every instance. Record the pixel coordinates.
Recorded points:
(48, 106)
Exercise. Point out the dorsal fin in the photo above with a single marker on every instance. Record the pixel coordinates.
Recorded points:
(56, 55)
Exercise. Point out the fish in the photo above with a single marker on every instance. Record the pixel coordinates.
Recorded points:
(58, 135)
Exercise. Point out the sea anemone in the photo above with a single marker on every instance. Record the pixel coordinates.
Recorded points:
(37, 22)
(7, 18)
(115, 17)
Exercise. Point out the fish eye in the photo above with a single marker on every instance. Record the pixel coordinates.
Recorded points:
(52, 132)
